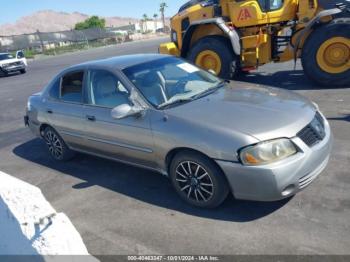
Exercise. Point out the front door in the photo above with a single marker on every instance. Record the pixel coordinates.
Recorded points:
(128, 139)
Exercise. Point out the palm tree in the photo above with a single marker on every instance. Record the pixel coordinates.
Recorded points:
(162, 7)
(145, 19)
(155, 16)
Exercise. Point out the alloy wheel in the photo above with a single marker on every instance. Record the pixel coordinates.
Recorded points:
(194, 181)
(54, 144)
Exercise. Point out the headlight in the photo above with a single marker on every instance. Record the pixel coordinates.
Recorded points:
(29, 106)
(267, 152)
(5, 65)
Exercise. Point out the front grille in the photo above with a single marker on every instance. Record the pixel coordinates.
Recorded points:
(313, 133)
(309, 136)
(15, 63)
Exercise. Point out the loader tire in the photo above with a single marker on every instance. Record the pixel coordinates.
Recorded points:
(215, 53)
(326, 54)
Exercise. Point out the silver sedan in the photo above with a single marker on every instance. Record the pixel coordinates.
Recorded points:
(209, 136)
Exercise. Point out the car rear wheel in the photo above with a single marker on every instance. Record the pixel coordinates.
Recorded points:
(23, 71)
(197, 180)
(57, 147)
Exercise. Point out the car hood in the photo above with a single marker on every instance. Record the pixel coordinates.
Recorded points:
(8, 61)
(262, 112)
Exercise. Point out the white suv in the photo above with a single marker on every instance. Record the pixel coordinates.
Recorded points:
(10, 64)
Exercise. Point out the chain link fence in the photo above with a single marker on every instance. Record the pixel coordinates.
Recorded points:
(56, 42)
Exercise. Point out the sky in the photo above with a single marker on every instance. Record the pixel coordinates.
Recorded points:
(14, 9)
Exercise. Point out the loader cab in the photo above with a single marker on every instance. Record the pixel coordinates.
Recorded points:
(259, 12)
(270, 5)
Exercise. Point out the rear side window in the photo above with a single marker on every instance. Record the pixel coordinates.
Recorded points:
(72, 87)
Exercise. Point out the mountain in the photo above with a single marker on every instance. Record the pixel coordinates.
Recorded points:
(52, 21)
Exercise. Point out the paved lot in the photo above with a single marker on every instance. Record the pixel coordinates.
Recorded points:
(119, 209)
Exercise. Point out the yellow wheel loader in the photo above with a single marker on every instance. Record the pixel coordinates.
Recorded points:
(229, 37)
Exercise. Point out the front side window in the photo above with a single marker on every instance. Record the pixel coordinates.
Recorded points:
(270, 5)
(275, 4)
(169, 80)
(72, 87)
(263, 4)
(106, 90)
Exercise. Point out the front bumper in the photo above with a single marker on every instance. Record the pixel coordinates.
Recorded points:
(33, 126)
(280, 180)
(12, 69)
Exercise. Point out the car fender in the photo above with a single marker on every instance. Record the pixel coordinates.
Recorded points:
(172, 132)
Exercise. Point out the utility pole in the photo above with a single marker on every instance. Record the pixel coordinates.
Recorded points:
(41, 40)
(162, 7)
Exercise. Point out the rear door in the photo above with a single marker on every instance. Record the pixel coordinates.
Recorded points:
(64, 107)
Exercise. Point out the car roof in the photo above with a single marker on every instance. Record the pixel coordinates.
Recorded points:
(121, 62)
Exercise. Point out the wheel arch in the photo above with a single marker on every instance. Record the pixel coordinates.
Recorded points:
(219, 25)
(312, 25)
(173, 152)
(43, 127)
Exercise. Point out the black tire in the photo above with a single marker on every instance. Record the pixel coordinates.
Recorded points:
(3, 73)
(23, 71)
(223, 48)
(198, 196)
(337, 28)
(56, 146)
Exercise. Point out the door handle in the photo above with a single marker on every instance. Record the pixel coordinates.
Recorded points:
(49, 111)
(91, 118)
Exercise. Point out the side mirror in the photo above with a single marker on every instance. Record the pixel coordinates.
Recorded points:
(125, 110)
(19, 55)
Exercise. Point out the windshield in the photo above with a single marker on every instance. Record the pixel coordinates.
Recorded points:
(5, 56)
(170, 80)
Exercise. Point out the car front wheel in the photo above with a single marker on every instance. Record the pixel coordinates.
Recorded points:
(3, 73)
(198, 181)
(57, 147)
